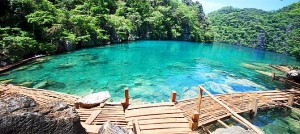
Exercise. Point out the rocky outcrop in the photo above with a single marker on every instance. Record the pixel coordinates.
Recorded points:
(65, 45)
(294, 75)
(20, 114)
(261, 41)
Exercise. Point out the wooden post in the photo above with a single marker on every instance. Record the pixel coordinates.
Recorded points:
(195, 118)
(76, 104)
(273, 76)
(200, 100)
(254, 106)
(291, 100)
(173, 96)
(126, 95)
(125, 101)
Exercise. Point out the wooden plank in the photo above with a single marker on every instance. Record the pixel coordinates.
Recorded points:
(92, 117)
(279, 99)
(158, 117)
(161, 121)
(149, 113)
(163, 126)
(168, 131)
(91, 128)
(136, 126)
(150, 105)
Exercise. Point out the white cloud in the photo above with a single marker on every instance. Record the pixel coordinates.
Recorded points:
(209, 6)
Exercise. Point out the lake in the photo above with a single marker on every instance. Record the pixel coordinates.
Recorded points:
(152, 69)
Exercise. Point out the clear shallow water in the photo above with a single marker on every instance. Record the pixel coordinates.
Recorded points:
(152, 69)
(278, 121)
(273, 121)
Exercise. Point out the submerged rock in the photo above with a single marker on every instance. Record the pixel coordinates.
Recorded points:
(251, 66)
(35, 67)
(189, 94)
(294, 75)
(121, 86)
(232, 130)
(20, 114)
(65, 65)
(49, 83)
(26, 84)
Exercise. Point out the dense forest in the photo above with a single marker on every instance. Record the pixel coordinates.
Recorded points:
(29, 27)
(277, 31)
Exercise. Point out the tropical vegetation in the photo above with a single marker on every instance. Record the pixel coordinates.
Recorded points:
(276, 31)
(30, 27)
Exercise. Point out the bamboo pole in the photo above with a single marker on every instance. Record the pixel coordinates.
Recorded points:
(257, 130)
(222, 123)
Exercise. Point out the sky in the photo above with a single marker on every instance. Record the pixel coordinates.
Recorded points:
(267, 5)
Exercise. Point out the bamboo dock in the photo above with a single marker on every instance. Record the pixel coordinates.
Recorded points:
(176, 116)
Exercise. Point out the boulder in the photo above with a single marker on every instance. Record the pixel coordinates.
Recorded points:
(93, 99)
(109, 128)
(294, 75)
(20, 114)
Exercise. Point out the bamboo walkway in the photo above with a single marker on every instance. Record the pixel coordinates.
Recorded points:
(8, 67)
(168, 117)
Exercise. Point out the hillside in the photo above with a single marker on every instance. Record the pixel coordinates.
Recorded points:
(276, 31)
(29, 27)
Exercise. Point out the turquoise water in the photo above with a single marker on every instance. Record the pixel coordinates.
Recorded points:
(152, 69)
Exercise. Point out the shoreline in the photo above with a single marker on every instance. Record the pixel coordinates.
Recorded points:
(19, 63)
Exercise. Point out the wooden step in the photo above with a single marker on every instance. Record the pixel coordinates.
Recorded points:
(150, 105)
(92, 117)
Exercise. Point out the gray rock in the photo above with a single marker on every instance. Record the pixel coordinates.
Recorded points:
(232, 130)
(20, 114)
(294, 75)
(109, 128)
